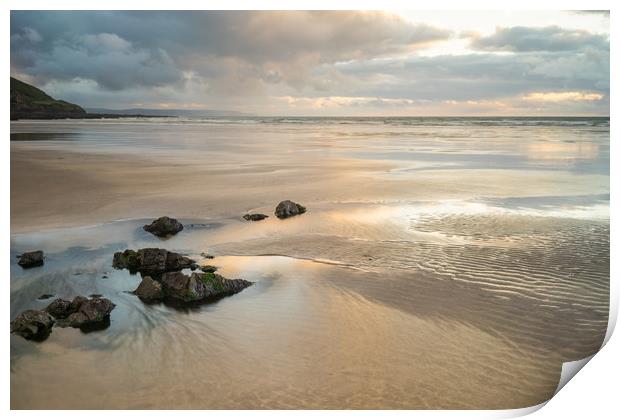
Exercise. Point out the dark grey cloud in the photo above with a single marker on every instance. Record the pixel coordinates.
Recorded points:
(120, 49)
(106, 58)
(550, 38)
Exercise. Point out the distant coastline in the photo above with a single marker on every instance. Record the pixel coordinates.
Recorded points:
(152, 112)
(31, 103)
(85, 116)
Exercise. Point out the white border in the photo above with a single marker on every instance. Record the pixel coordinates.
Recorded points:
(593, 395)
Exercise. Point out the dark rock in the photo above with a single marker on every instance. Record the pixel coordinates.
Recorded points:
(194, 267)
(60, 308)
(200, 286)
(80, 313)
(208, 268)
(95, 295)
(33, 325)
(164, 226)
(126, 259)
(151, 261)
(287, 209)
(76, 303)
(178, 285)
(104, 277)
(45, 296)
(31, 259)
(176, 261)
(254, 217)
(207, 256)
(91, 311)
(149, 290)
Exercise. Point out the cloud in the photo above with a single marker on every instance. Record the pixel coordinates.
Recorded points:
(305, 61)
(550, 38)
(563, 96)
(243, 49)
(26, 35)
(323, 102)
(113, 62)
(264, 37)
(476, 76)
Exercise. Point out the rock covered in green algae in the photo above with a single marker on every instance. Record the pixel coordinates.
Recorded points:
(200, 286)
(151, 260)
(33, 325)
(125, 259)
(164, 226)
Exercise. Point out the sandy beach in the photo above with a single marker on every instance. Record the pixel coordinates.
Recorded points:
(69, 183)
(428, 272)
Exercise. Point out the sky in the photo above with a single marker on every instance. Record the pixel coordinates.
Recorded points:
(320, 63)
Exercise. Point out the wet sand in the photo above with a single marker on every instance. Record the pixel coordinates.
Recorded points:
(437, 267)
(94, 171)
(51, 188)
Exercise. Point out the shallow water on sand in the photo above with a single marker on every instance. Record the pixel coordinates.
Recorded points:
(390, 318)
(417, 301)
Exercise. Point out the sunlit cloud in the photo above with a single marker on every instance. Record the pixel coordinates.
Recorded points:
(562, 96)
(346, 101)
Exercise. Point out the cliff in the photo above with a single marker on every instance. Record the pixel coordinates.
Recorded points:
(28, 102)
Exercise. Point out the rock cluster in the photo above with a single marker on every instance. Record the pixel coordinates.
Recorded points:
(33, 325)
(151, 261)
(164, 226)
(81, 312)
(162, 279)
(31, 259)
(189, 288)
(287, 209)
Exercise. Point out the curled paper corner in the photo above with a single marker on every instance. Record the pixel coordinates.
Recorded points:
(611, 321)
(570, 369)
(518, 412)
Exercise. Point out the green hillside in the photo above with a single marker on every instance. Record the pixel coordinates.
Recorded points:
(29, 102)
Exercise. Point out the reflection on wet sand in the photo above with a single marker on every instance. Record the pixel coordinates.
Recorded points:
(302, 343)
(396, 317)
(441, 264)
(115, 170)
(562, 151)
